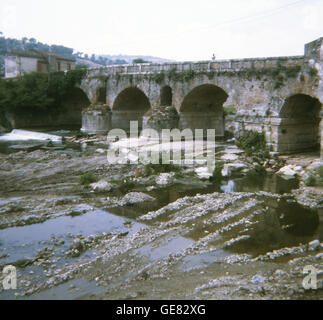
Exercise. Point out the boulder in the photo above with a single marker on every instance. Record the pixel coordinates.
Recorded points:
(101, 151)
(203, 173)
(230, 169)
(165, 178)
(314, 245)
(101, 186)
(289, 172)
(136, 197)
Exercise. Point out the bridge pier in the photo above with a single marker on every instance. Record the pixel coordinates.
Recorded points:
(161, 117)
(200, 120)
(120, 119)
(96, 119)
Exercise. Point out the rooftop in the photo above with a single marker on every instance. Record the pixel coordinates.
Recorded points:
(39, 54)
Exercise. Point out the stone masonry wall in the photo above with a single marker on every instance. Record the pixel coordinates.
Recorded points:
(258, 88)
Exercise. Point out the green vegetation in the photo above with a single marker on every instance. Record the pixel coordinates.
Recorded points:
(139, 60)
(173, 75)
(75, 213)
(13, 208)
(37, 92)
(217, 172)
(257, 172)
(279, 74)
(315, 178)
(88, 178)
(313, 72)
(279, 81)
(254, 144)
(127, 185)
(229, 110)
(151, 169)
(159, 78)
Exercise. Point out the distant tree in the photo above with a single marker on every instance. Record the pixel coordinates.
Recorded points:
(65, 51)
(139, 61)
(78, 54)
(33, 40)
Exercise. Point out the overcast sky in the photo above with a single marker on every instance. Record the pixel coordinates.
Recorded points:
(173, 29)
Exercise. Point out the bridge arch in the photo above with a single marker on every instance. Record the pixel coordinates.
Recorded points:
(202, 108)
(299, 124)
(101, 95)
(75, 100)
(166, 96)
(130, 105)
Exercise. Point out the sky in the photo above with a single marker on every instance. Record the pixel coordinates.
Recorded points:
(182, 30)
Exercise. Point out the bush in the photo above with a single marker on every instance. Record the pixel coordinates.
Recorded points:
(254, 144)
(159, 78)
(151, 169)
(315, 178)
(230, 110)
(161, 167)
(88, 178)
(127, 185)
(217, 172)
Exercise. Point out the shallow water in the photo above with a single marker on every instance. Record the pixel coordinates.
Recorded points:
(35, 139)
(21, 244)
(279, 225)
(269, 183)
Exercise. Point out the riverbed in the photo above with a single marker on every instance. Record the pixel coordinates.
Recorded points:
(153, 235)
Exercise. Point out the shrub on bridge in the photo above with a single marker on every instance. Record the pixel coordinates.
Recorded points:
(230, 110)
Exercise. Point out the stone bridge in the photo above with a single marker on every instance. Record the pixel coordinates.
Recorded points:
(280, 96)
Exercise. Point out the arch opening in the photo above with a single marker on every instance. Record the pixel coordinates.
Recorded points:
(74, 102)
(130, 105)
(101, 95)
(299, 125)
(202, 108)
(166, 96)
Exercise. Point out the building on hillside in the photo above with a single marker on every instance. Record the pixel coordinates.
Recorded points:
(18, 63)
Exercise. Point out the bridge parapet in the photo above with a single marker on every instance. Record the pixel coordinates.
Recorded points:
(203, 66)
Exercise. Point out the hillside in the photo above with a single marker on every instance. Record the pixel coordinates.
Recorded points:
(91, 61)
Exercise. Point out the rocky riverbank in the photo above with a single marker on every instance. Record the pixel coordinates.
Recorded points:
(77, 227)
